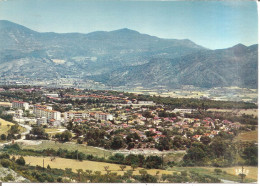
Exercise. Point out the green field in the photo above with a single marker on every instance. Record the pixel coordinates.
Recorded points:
(229, 174)
(70, 147)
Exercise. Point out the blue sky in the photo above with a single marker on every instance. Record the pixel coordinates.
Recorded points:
(214, 24)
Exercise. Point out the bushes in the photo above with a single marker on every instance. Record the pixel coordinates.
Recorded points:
(218, 171)
(6, 163)
(3, 137)
(4, 156)
(20, 161)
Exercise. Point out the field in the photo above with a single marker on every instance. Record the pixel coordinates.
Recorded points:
(252, 171)
(230, 174)
(247, 136)
(53, 131)
(63, 163)
(71, 147)
(5, 126)
(237, 111)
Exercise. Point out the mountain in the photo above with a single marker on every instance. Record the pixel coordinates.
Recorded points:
(122, 57)
(235, 66)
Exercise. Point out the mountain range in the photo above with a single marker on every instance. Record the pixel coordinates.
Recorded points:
(123, 57)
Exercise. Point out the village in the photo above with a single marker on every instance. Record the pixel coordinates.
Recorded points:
(141, 124)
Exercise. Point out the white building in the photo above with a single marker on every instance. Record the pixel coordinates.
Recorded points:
(46, 111)
(184, 110)
(5, 104)
(145, 103)
(38, 107)
(54, 95)
(104, 116)
(19, 113)
(20, 105)
(75, 115)
(41, 121)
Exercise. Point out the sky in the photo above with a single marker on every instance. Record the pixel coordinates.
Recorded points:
(212, 24)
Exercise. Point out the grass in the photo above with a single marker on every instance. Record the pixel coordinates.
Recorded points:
(52, 131)
(252, 174)
(5, 126)
(62, 163)
(237, 111)
(229, 175)
(176, 157)
(71, 147)
(247, 136)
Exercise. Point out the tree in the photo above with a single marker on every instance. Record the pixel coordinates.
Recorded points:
(20, 161)
(122, 167)
(66, 136)
(153, 162)
(3, 137)
(117, 142)
(134, 166)
(68, 171)
(197, 154)
(79, 171)
(14, 129)
(219, 147)
(250, 154)
(131, 145)
(205, 140)
(218, 171)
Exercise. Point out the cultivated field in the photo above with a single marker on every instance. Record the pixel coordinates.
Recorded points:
(252, 171)
(247, 136)
(70, 147)
(63, 163)
(229, 173)
(237, 111)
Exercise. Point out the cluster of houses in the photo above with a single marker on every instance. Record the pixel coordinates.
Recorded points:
(122, 117)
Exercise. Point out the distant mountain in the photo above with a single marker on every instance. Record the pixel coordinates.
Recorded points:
(123, 57)
(235, 66)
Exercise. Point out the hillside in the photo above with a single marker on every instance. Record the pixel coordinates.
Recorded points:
(122, 57)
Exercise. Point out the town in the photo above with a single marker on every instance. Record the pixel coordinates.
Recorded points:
(127, 124)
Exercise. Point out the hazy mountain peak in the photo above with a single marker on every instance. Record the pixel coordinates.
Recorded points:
(239, 45)
(125, 30)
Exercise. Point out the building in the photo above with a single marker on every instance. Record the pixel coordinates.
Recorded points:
(184, 110)
(19, 113)
(38, 107)
(54, 95)
(104, 116)
(5, 104)
(145, 103)
(75, 115)
(46, 111)
(20, 105)
(41, 121)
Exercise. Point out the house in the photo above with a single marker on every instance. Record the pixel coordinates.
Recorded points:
(104, 116)
(196, 137)
(20, 105)
(75, 115)
(46, 111)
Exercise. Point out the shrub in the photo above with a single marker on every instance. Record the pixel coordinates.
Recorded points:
(3, 137)
(20, 161)
(4, 156)
(5, 163)
(218, 171)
